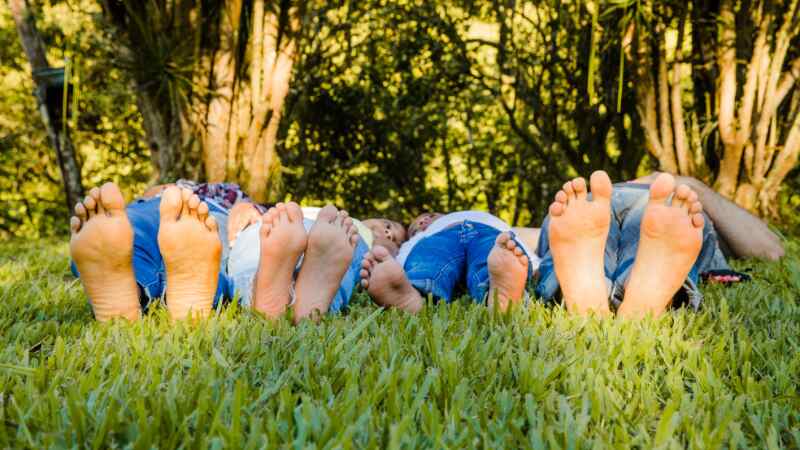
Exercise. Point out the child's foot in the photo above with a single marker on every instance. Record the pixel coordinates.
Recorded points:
(578, 231)
(190, 246)
(331, 241)
(283, 240)
(102, 247)
(508, 272)
(670, 239)
(386, 282)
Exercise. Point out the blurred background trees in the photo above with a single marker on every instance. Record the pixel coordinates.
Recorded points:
(396, 107)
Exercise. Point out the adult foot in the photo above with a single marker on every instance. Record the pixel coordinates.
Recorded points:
(101, 246)
(283, 239)
(386, 282)
(670, 239)
(331, 241)
(508, 272)
(190, 246)
(578, 231)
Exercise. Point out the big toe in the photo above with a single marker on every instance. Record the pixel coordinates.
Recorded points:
(294, 212)
(380, 253)
(601, 185)
(171, 203)
(111, 198)
(328, 214)
(662, 187)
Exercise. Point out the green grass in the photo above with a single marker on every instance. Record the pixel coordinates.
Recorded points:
(457, 376)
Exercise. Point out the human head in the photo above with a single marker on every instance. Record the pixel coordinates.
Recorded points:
(387, 233)
(422, 222)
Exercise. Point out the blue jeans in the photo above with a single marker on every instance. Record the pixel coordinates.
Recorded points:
(148, 265)
(455, 256)
(628, 203)
(245, 256)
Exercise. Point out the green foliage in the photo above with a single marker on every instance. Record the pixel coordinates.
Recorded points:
(105, 124)
(456, 376)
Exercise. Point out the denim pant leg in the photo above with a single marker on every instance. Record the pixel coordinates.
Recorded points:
(547, 288)
(225, 286)
(437, 263)
(350, 279)
(634, 209)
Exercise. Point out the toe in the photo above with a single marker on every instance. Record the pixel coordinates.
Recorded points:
(601, 185)
(698, 221)
(695, 208)
(94, 193)
(211, 223)
(74, 224)
(186, 194)
(511, 244)
(111, 199)
(518, 251)
(662, 187)
(569, 190)
(193, 204)
(681, 196)
(294, 212)
(354, 239)
(202, 211)
(328, 213)
(556, 209)
(579, 184)
(561, 197)
(523, 259)
(170, 207)
(80, 212)
(380, 253)
(91, 206)
(502, 239)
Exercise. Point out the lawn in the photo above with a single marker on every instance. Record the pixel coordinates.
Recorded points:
(456, 376)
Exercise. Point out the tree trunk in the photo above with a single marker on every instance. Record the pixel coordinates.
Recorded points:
(240, 74)
(759, 131)
(59, 135)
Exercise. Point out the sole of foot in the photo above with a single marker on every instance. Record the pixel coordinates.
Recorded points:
(386, 282)
(190, 246)
(577, 232)
(283, 239)
(101, 246)
(670, 238)
(508, 272)
(331, 242)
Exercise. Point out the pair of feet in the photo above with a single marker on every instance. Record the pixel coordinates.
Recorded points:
(669, 243)
(102, 248)
(388, 285)
(327, 251)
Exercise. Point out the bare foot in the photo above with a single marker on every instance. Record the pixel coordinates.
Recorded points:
(508, 272)
(330, 250)
(670, 239)
(102, 247)
(386, 282)
(190, 246)
(578, 232)
(283, 240)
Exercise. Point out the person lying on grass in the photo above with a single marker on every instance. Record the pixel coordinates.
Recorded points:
(245, 259)
(171, 246)
(448, 251)
(335, 273)
(640, 248)
(564, 248)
